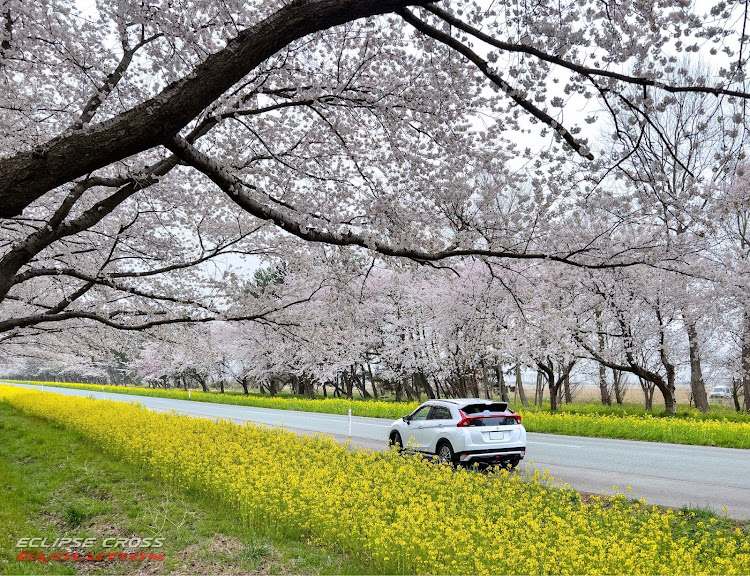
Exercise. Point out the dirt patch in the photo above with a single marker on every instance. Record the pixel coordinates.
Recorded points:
(225, 544)
(209, 557)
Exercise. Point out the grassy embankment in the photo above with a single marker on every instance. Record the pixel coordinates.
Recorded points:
(717, 428)
(55, 483)
(396, 514)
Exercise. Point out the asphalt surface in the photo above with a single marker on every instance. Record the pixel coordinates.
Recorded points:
(667, 474)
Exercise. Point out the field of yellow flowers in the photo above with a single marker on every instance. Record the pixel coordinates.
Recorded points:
(697, 431)
(370, 408)
(398, 514)
(694, 428)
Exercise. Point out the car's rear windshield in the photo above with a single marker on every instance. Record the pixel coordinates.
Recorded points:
(493, 421)
(489, 407)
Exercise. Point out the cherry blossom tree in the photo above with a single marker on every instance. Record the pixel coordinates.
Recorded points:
(151, 152)
(103, 108)
(732, 219)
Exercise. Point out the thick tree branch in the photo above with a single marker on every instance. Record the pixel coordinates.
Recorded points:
(22, 253)
(38, 320)
(28, 175)
(92, 281)
(259, 205)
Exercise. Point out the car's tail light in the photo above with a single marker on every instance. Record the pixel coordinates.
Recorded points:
(482, 420)
(464, 423)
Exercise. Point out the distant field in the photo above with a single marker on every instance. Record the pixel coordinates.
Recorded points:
(398, 514)
(721, 427)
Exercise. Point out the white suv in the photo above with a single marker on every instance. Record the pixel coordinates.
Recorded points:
(463, 431)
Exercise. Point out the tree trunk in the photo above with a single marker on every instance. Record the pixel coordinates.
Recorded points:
(372, 381)
(539, 392)
(736, 386)
(603, 388)
(438, 392)
(697, 385)
(553, 397)
(474, 384)
(648, 393)
(336, 386)
(202, 381)
(310, 388)
(360, 382)
(501, 383)
(425, 385)
(408, 389)
(667, 388)
(746, 360)
(566, 389)
(348, 386)
(243, 383)
(462, 389)
(486, 380)
(618, 386)
(547, 372)
(519, 386)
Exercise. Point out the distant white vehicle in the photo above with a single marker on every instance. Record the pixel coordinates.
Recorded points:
(463, 431)
(720, 392)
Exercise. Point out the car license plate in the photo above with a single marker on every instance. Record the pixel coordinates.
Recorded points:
(497, 435)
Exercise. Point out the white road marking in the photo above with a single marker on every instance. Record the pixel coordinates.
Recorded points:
(557, 444)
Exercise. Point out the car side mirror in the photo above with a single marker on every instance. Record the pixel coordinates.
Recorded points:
(407, 418)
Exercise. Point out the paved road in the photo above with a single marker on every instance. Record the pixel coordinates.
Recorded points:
(667, 474)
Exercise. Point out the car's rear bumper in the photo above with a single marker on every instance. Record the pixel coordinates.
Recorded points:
(495, 455)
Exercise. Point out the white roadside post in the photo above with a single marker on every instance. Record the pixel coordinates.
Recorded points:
(189, 395)
(349, 432)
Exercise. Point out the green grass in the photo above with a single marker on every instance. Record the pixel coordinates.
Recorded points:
(54, 483)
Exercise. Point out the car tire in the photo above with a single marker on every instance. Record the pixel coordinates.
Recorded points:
(445, 454)
(396, 442)
(512, 464)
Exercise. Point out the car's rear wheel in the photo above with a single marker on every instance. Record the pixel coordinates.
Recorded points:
(396, 442)
(512, 464)
(445, 454)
